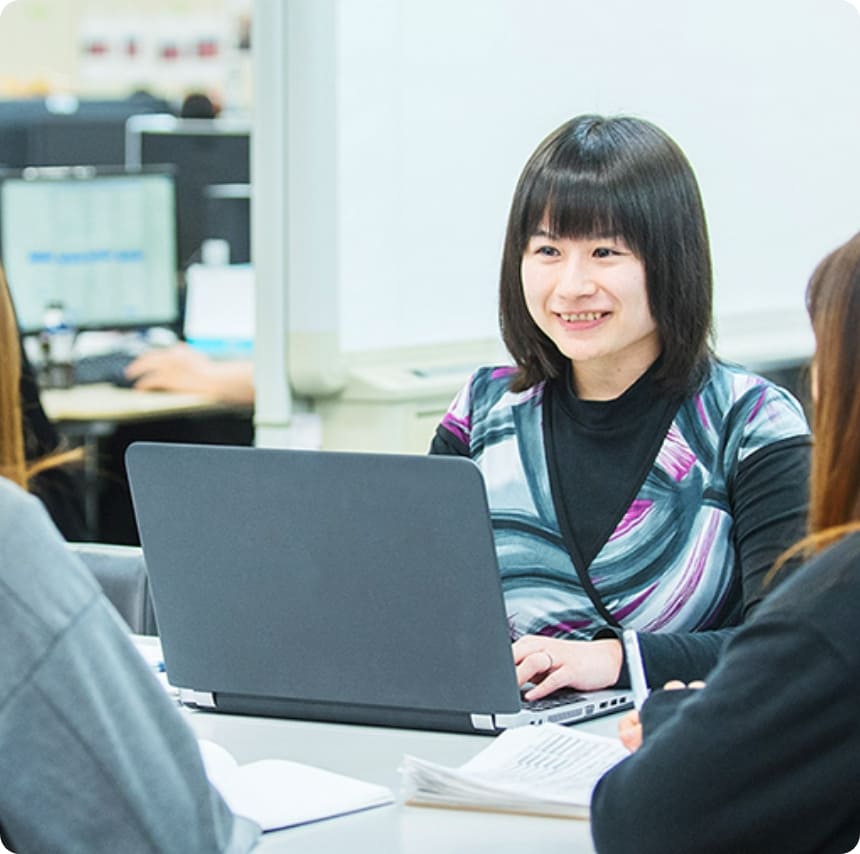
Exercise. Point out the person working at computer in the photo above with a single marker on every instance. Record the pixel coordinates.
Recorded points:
(181, 368)
(633, 479)
(766, 756)
(93, 754)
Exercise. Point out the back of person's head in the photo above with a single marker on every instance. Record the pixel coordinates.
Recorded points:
(198, 105)
(833, 302)
(621, 177)
(12, 462)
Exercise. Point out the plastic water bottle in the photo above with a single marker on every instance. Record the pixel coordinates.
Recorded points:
(57, 341)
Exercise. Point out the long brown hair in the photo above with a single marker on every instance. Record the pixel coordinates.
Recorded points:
(833, 303)
(13, 462)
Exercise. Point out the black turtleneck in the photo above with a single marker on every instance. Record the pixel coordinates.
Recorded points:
(619, 438)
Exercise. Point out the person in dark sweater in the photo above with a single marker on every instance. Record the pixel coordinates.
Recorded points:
(634, 480)
(766, 756)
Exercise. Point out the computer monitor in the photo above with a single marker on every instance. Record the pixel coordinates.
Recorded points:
(77, 141)
(227, 210)
(16, 116)
(204, 152)
(101, 242)
(63, 130)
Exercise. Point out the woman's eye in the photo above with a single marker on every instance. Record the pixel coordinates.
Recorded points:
(604, 252)
(549, 251)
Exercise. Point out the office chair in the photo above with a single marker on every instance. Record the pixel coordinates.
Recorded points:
(121, 572)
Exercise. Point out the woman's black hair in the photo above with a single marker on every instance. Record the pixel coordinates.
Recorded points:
(619, 176)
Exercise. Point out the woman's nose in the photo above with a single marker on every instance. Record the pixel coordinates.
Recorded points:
(575, 279)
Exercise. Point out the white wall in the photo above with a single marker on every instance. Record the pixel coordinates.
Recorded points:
(440, 103)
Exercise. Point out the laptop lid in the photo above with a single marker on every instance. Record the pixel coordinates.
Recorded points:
(351, 587)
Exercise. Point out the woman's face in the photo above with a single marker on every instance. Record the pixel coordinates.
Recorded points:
(589, 296)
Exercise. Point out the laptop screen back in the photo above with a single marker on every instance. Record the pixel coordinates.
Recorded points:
(326, 577)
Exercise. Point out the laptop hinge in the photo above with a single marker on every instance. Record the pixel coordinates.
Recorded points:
(483, 722)
(200, 699)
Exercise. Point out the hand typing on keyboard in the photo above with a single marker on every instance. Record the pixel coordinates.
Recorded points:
(554, 663)
(181, 368)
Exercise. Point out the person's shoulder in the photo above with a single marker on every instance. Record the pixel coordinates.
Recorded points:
(37, 571)
(492, 384)
(14, 501)
(730, 383)
(742, 400)
(823, 592)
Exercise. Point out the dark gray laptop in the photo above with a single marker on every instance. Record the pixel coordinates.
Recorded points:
(349, 587)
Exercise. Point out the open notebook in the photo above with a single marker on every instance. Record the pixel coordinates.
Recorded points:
(322, 585)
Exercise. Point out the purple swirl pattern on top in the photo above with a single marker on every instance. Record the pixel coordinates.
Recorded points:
(458, 419)
(565, 627)
(676, 457)
(670, 561)
(700, 409)
(459, 427)
(622, 613)
(757, 407)
(690, 578)
(636, 513)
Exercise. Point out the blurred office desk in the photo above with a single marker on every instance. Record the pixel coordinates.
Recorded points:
(374, 754)
(102, 403)
(105, 418)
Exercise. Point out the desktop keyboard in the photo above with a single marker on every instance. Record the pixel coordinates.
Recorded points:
(104, 368)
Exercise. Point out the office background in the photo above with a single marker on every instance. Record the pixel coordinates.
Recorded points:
(406, 125)
(99, 48)
(388, 135)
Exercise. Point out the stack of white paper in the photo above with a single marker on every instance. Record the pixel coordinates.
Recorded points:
(541, 770)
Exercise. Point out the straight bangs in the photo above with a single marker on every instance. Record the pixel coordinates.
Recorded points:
(581, 205)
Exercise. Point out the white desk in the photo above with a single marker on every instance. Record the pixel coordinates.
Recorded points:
(374, 754)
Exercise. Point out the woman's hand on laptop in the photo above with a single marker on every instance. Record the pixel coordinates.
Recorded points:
(553, 663)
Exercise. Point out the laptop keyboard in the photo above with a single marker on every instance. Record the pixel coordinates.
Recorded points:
(559, 698)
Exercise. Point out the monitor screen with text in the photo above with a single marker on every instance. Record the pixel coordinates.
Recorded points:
(101, 243)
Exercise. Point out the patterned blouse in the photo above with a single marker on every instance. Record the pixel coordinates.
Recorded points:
(672, 563)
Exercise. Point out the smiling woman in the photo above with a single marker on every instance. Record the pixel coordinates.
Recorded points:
(588, 296)
(634, 480)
